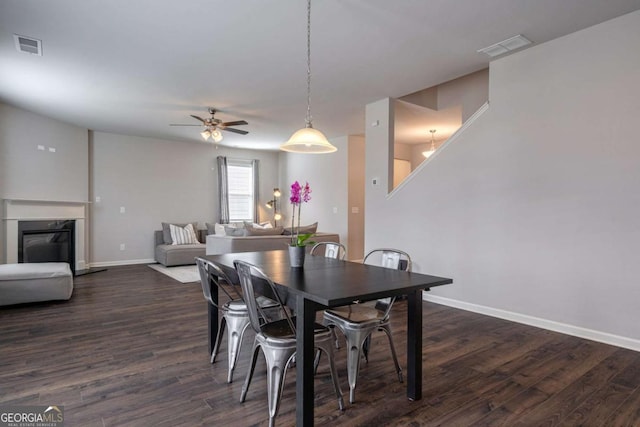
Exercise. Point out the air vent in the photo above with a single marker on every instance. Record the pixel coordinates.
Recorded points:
(28, 45)
(513, 43)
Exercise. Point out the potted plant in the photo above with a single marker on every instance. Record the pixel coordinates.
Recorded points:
(297, 251)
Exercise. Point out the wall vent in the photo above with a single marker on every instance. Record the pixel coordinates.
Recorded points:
(513, 43)
(28, 45)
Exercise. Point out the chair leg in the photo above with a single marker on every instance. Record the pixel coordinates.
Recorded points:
(387, 330)
(277, 362)
(335, 337)
(365, 348)
(237, 327)
(355, 340)
(316, 361)
(216, 346)
(252, 367)
(332, 368)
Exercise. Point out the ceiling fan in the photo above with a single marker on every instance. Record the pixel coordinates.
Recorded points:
(213, 126)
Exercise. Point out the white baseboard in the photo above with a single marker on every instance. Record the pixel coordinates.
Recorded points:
(551, 325)
(125, 262)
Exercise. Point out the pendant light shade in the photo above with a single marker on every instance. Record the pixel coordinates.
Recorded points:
(432, 149)
(308, 140)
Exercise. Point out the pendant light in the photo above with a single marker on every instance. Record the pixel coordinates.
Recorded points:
(432, 149)
(308, 140)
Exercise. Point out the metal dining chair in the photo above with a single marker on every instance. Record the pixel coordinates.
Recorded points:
(358, 321)
(234, 312)
(331, 250)
(277, 340)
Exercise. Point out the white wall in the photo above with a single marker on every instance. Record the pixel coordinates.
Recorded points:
(327, 177)
(29, 173)
(156, 181)
(533, 211)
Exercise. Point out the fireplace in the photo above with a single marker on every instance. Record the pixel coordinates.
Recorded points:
(47, 241)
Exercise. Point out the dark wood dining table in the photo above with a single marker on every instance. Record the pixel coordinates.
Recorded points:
(325, 282)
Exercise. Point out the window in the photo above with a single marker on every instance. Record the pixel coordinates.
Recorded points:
(240, 180)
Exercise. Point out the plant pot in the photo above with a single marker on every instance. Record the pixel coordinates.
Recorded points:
(296, 256)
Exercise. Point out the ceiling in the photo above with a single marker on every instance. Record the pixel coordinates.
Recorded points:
(134, 67)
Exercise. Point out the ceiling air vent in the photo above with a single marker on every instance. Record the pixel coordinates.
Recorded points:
(513, 43)
(28, 45)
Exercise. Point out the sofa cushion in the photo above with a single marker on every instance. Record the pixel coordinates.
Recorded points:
(234, 231)
(303, 229)
(252, 231)
(166, 233)
(32, 282)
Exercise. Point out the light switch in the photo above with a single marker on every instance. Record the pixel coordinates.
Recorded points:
(335, 210)
(41, 147)
(122, 209)
(98, 199)
(52, 149)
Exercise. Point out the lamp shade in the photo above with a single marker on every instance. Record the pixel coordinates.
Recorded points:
(216, 135)
(308, 140)
(205, 134)
(428, 153)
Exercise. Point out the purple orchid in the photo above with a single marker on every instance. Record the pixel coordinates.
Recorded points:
(295, 193)
(299, 195)
(306, 192)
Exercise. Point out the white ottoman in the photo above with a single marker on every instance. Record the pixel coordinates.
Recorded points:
(31, 282)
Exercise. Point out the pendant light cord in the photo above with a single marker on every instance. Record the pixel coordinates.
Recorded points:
(308, 119)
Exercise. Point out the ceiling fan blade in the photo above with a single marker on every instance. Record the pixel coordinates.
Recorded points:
(241, 132)
(236, 123)
(198, 118)
(183, 125)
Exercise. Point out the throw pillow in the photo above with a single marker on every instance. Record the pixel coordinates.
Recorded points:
(252, 231)
(183, 235)
(304, 229)
(233, 231)
(166, 233)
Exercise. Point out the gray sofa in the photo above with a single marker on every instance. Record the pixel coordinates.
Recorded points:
(217, 244)
(172, 255)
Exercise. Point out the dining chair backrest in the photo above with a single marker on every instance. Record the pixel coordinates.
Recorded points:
(212, 275)
(388, 258)
(331, 250)
(247, 273)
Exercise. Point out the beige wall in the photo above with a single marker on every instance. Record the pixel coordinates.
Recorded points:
(534, 210)
(356, 204)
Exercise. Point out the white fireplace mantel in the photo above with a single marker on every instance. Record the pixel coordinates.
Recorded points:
(15, 210)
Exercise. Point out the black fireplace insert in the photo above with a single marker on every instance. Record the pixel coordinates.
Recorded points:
(47, 241)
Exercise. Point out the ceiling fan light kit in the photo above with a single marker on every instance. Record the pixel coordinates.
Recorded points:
(213, 126)
(308, 140)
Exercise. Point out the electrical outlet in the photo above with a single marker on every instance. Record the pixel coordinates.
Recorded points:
(122, 246)
(98, 199)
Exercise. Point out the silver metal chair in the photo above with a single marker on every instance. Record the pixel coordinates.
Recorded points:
(234, 312)
(331, 250)
(358, 321)
(277, 340)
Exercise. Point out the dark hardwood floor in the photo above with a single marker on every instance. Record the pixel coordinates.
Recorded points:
(130, 349)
